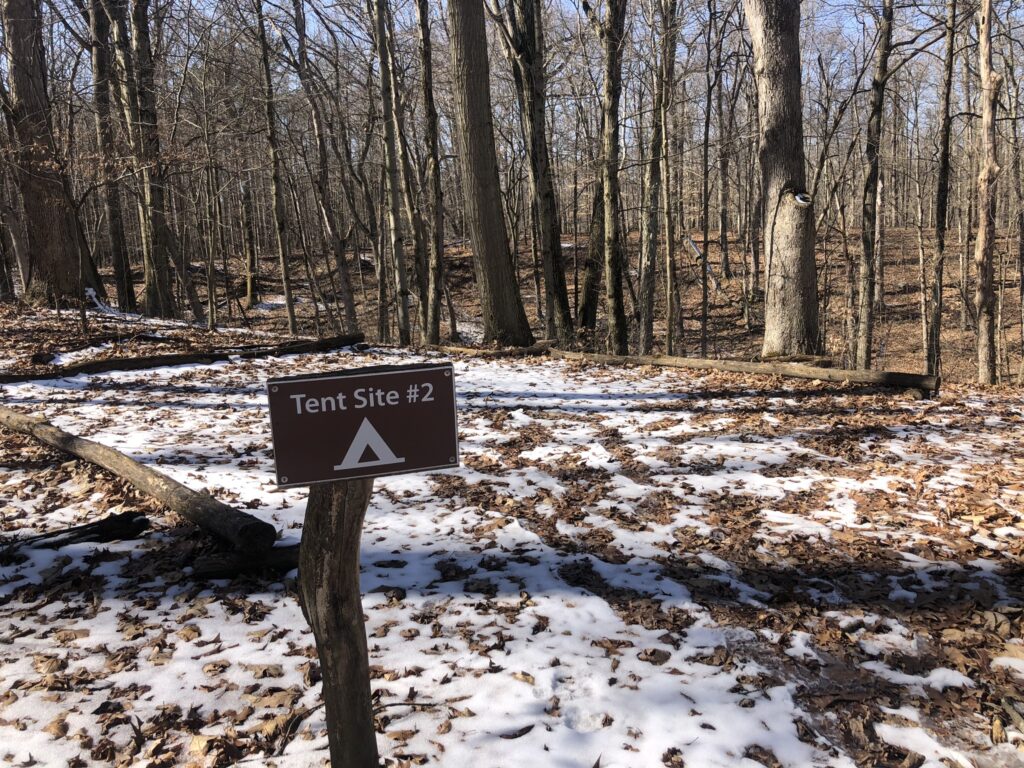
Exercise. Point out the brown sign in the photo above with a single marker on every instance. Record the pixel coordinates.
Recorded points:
(364, 422)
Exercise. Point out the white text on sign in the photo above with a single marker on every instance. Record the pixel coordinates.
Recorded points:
(364, 397)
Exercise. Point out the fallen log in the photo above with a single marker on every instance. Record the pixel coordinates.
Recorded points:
(188, 358)
(227, 565)
(243, 531)
(535, 350)
(791, 370)
(45, 357)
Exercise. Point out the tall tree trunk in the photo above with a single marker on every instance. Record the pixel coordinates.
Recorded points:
(276, 170)
(501, 304)
(394, 190)
(252, 275)
(99, 28)
(594, 266)
(325, 199)
(55, 258)
(611, 31)
(673, 303)
(869, 202)
(435, 281)
(523, 39)
(791, 300)
(164, 244)
(652, 212)
(984, 297)
(934, 325)
(410, 197)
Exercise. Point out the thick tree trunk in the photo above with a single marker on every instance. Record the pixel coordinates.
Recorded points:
(502, 306)
(984, 297)
(791, 300)
(54, 257)
(12, 223)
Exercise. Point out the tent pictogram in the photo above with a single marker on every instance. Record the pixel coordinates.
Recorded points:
(368, 439)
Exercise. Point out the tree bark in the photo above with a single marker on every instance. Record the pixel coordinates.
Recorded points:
(331, 601)
(934, 324)
(523, 39)
(869, 202)
(54, 256)
(124, 281)
(435, 279)
(321, 182)
(594, 266)
(652, 212)
(791, 300)
(984, 297)
(164, 246)
(611, 32)
(502, 306)
(394, 190)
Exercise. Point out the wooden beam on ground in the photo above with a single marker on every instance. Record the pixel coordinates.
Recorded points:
(227, 565)
(188, 358)
(535, 350)
(791, 370)
(243, 531)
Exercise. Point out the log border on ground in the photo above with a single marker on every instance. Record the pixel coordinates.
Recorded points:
(925, 383)
(187, 358)
(243, 531)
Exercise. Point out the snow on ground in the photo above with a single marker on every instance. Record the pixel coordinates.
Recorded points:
(633, 568)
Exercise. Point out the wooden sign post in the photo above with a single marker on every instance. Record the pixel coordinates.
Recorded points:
(336, 432)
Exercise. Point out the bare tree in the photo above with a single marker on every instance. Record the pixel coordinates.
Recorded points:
(522, 34)
(933, 326)
(984, 296)
(611, 32)
(652, 214)
(503, 316)
(869, 203)
(791, 300)
(55, 260)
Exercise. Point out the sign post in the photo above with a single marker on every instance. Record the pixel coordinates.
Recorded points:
(336, 432)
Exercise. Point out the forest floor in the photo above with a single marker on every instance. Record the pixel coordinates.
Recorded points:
(632, 568)
(898, 333)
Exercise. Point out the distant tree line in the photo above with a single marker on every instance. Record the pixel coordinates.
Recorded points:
(607, 164)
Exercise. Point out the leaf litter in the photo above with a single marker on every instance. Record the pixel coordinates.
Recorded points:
(632, 568)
